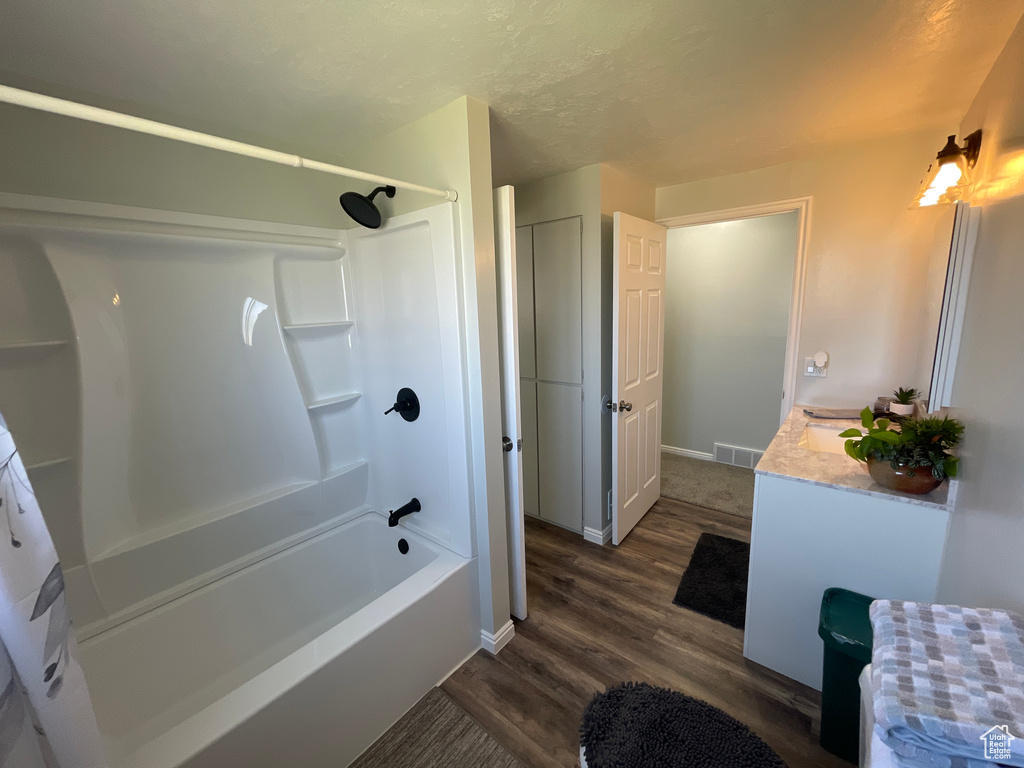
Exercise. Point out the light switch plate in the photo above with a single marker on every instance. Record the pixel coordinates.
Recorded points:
(810, 369)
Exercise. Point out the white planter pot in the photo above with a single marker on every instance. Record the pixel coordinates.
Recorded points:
(901, 409)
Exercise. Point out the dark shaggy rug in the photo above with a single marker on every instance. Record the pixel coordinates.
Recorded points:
(635, 725)
(715, 581)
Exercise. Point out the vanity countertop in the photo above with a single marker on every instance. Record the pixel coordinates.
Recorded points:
(785, 457)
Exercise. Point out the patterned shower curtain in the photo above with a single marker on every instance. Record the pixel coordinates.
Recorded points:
(46, 716)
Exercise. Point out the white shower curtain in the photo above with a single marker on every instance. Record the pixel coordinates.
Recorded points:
(46, 716)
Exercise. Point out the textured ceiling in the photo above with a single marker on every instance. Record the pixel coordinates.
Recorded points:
(665, 90)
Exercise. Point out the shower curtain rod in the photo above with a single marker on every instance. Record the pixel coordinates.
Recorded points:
(140, 125)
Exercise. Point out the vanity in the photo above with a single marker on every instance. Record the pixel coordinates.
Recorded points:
(820, 521)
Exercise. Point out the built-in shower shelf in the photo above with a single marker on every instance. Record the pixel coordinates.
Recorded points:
(339, 325)
(49, 463)
(344, 470)
(334, 401)
(34, 344)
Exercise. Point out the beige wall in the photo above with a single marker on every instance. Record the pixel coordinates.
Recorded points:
(727, 295)
(594, 192)
(620, 192)
(984, 562)
(867, 258)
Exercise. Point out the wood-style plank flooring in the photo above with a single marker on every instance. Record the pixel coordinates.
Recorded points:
(602, 615)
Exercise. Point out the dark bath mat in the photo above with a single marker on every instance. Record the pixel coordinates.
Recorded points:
(635, 725)
(715, 581)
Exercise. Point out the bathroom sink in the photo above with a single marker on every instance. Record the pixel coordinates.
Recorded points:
(823, 437)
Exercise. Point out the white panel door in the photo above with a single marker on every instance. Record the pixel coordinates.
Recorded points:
(508, 337)
(638, 318)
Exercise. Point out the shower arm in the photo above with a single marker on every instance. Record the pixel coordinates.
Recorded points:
(56, 106)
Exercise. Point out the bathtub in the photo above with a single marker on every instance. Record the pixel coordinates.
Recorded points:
(304, 658)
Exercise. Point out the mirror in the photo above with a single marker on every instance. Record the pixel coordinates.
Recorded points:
(945, 296)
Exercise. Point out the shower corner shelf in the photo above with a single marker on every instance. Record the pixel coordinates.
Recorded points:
(33, 344)
(340, 325)
(327, 402)
(39, 465)
(344, 469)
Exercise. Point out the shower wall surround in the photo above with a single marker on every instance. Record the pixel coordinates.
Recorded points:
(195, 394)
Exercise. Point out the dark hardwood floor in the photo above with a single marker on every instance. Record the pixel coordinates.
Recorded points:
(602, 615)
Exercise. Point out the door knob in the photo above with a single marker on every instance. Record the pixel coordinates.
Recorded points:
(506, 444)
(624, 406)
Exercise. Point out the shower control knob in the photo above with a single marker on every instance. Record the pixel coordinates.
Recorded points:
(407, 405)
(624, 406)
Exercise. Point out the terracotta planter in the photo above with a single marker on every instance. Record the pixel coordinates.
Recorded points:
(922, 481)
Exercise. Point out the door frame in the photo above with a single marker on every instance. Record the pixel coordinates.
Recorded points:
(802, 206)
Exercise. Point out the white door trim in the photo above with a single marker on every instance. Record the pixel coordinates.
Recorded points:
(802, 205)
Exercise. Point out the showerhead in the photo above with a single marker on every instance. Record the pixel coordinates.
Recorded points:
(362, 209)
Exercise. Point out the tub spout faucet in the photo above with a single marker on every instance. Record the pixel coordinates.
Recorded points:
(406, 509)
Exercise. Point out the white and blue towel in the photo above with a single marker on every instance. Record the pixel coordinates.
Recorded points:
(948, 684)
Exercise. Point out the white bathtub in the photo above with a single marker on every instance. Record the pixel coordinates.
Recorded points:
(304, 658)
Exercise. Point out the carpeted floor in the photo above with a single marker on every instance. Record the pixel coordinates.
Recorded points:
(708, 484)
(436, 733)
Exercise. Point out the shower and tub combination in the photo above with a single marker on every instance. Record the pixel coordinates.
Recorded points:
(201, 405)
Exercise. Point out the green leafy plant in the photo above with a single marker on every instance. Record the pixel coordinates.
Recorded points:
(905, 396)
(915, 444)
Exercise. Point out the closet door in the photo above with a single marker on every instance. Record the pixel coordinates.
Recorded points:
(527, 368)
(558, 296)
(524, 282)
(560, 436)
(531, 443)
(558, 309)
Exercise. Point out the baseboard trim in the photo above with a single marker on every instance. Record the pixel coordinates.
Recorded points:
(594, 536)
(687, 452)
(494, 643)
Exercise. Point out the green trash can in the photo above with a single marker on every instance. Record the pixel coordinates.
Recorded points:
(845, 626)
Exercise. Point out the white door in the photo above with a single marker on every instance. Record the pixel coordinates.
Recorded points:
(638, 314)
(508, 337)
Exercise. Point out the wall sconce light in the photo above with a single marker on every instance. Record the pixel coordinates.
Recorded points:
(949, 175)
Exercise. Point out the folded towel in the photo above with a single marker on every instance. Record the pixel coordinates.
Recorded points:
(943, 677)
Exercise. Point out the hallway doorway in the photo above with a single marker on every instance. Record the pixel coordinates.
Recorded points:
(733, 300)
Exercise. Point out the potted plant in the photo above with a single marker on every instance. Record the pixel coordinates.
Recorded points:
(903, 405)
(914, 458)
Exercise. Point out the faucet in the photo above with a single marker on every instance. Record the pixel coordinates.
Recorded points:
(406, 509)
